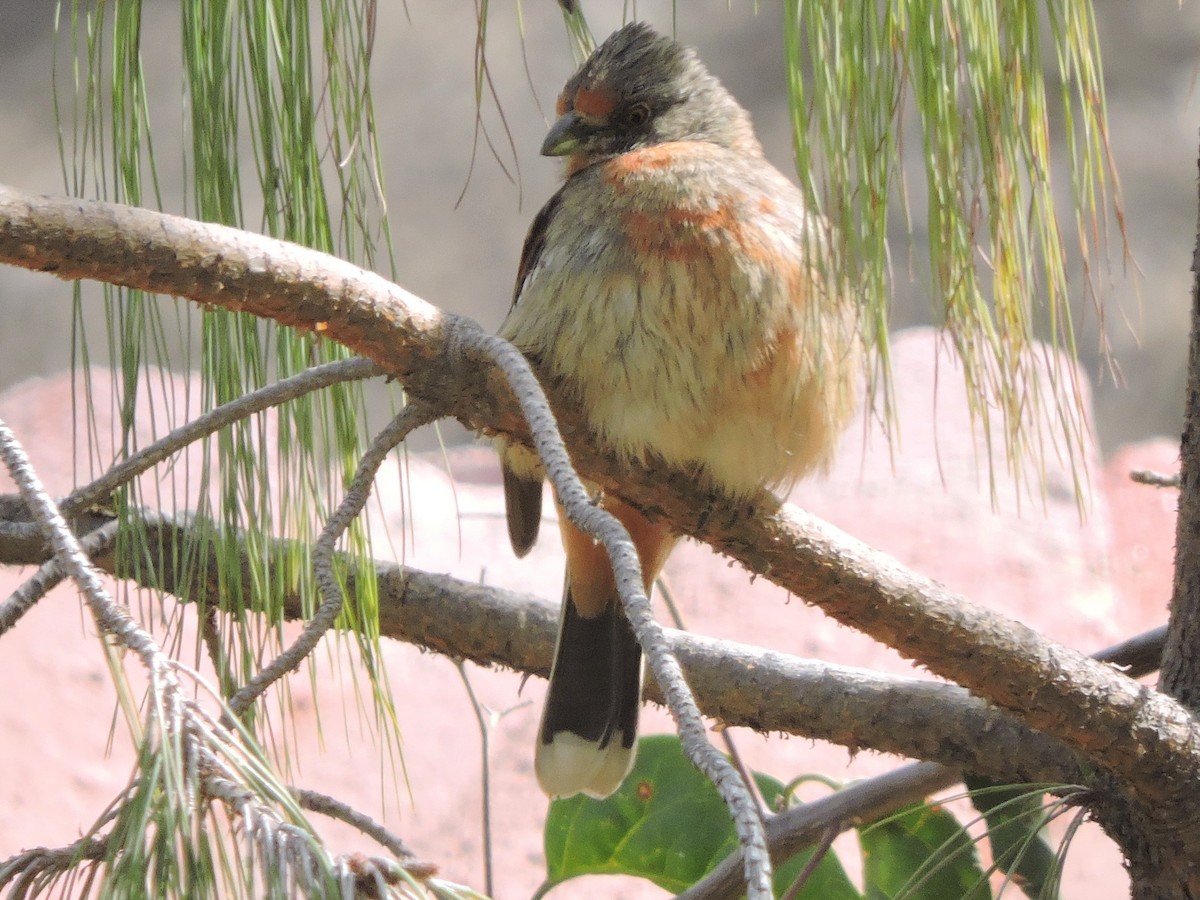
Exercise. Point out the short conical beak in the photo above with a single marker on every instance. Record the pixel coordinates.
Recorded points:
(565, 136)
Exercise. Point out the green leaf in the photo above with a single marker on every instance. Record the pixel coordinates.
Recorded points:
(1016, 818)
(924, 853)
(828, 881)
(667, 823)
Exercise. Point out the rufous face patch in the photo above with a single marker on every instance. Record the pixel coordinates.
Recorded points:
(595, 103)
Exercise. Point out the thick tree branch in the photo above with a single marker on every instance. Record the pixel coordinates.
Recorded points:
(1181, 656)
(735, 684)
(1144, 738)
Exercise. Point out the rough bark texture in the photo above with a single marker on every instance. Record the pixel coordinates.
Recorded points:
(734, 683)
(1181, 656)
(1161, 843)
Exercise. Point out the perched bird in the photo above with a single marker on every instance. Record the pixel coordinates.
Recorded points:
(674, 288)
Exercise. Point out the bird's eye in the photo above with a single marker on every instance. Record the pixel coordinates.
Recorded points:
(637, 115)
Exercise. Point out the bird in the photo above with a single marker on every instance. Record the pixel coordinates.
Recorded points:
(679, 291)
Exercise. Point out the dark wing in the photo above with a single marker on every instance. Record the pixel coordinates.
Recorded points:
(523, 496)
(535, 242)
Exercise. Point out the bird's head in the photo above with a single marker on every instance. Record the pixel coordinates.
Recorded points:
(639, 89)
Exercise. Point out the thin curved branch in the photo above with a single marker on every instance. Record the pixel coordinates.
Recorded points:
(99, 491)
(1144, 738)
(272, 395)
(484, 721)
(314, 801)
(204, 750)
(414, 416)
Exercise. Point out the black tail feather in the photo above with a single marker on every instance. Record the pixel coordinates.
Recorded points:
(523, 503)
(595, 695)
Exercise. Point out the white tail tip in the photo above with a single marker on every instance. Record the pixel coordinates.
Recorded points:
(570, 765)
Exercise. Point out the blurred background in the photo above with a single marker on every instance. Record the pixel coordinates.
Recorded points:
(461, 254)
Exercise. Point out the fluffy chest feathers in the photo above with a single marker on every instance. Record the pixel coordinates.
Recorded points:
(668, 289)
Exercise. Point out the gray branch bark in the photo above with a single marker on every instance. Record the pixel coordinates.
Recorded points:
(735, 684)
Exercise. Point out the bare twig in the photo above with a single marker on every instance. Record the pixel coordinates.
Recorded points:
(485, 775)
(218, 653)
(819, 852)
(793, 829)
(414, 416)
(316, 378)
(336, 809)
(272, 395)
(1155, 479)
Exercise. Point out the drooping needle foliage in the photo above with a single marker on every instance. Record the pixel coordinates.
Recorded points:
(982, 88)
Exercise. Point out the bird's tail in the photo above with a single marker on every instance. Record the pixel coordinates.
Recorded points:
(589, 727)
(589, 724)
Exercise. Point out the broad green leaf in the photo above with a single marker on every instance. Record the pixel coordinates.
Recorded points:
(667, 824)
(1016, 817)
(828, 881)
(924, 853)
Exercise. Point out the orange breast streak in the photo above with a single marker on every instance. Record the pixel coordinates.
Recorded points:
(588, 567)
(660, 156)
(690, 231)
(680, 234)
